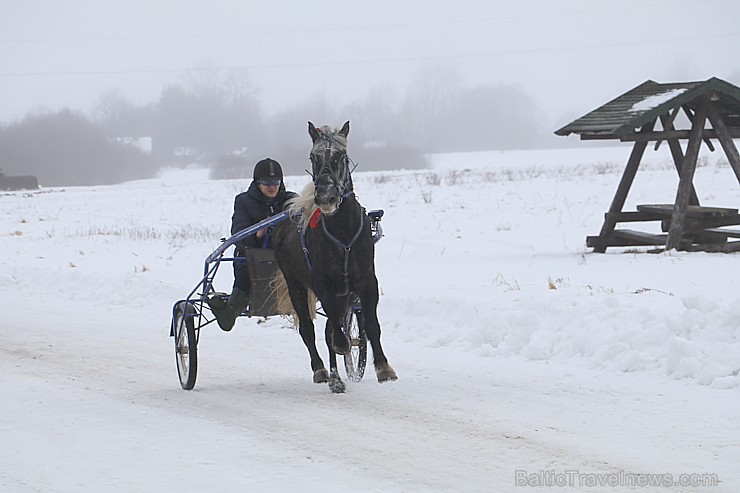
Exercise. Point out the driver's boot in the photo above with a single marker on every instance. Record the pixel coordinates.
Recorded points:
(221, 310)
(238, 302)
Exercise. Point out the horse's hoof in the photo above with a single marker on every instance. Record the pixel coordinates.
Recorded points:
(337, 386)
(342, 346)
(385, 373)
(321, 376)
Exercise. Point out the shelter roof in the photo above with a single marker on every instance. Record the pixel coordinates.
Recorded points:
(646, 102)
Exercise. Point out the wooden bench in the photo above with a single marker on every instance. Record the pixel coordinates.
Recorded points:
(693, 211)
(626, 237)
(704, 228)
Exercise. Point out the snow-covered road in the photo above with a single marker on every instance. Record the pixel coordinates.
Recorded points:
(96, 407)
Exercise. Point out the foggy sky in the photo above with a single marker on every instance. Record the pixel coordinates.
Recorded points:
(570, 55)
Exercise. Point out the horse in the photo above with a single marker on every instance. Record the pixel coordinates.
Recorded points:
(330, 252)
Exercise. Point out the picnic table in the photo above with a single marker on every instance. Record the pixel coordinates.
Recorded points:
(705, 228)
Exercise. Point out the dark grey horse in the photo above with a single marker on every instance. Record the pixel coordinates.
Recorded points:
(332, 253)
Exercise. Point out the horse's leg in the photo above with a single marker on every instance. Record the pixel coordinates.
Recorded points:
(335, 339)
(368, 293)
(299, 298)
(333, 306)
(335, 383)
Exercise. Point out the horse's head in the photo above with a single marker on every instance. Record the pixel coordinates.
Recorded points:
(330, 166)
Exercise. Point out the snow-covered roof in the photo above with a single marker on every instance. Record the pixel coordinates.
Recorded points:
(646, 102)
(656, 100)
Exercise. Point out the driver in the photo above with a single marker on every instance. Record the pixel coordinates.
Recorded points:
(265, 197)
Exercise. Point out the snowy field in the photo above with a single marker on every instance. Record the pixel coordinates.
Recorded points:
(525, 362)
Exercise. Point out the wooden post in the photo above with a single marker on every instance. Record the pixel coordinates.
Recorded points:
(677, 152)
(667, 122)
(624, 187)
(690, 116)
(687, 176)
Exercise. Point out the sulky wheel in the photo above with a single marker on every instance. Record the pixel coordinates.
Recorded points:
(353, 326)
(186, 343)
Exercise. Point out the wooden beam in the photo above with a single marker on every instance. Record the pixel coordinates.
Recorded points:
(725, 139)
(600, 137)
(632, 217)
(687, 176)
(692, 224)
(666, 121)
(624, 187)
(690, 115)
(729, 247)
(623, 238)
(639, 237)
(677, 152)
(733, 132)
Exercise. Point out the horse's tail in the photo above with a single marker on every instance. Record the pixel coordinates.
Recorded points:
(283, 305)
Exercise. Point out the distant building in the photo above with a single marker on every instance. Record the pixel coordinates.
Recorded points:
(23, 182)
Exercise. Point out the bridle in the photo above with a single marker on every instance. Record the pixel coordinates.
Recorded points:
(324, 150)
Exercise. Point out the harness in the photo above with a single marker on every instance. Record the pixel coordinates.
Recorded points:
(346, 247)
(344, 190)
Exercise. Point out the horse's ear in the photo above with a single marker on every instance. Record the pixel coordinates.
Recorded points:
(313, 132)
(345, 129)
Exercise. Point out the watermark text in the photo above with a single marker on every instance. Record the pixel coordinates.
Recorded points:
(573, 478)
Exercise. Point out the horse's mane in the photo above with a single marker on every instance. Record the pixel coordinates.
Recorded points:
(332, 134)
(303, 205)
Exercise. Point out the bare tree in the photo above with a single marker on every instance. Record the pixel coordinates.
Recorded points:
(205, 80)
(213, 112)
(111, 110)
(430, 98)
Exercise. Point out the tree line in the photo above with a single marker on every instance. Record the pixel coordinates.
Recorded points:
(214, 118)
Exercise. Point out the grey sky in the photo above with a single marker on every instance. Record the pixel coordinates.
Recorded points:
(570, 55)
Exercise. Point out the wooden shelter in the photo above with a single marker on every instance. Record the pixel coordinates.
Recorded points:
(648, 113)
